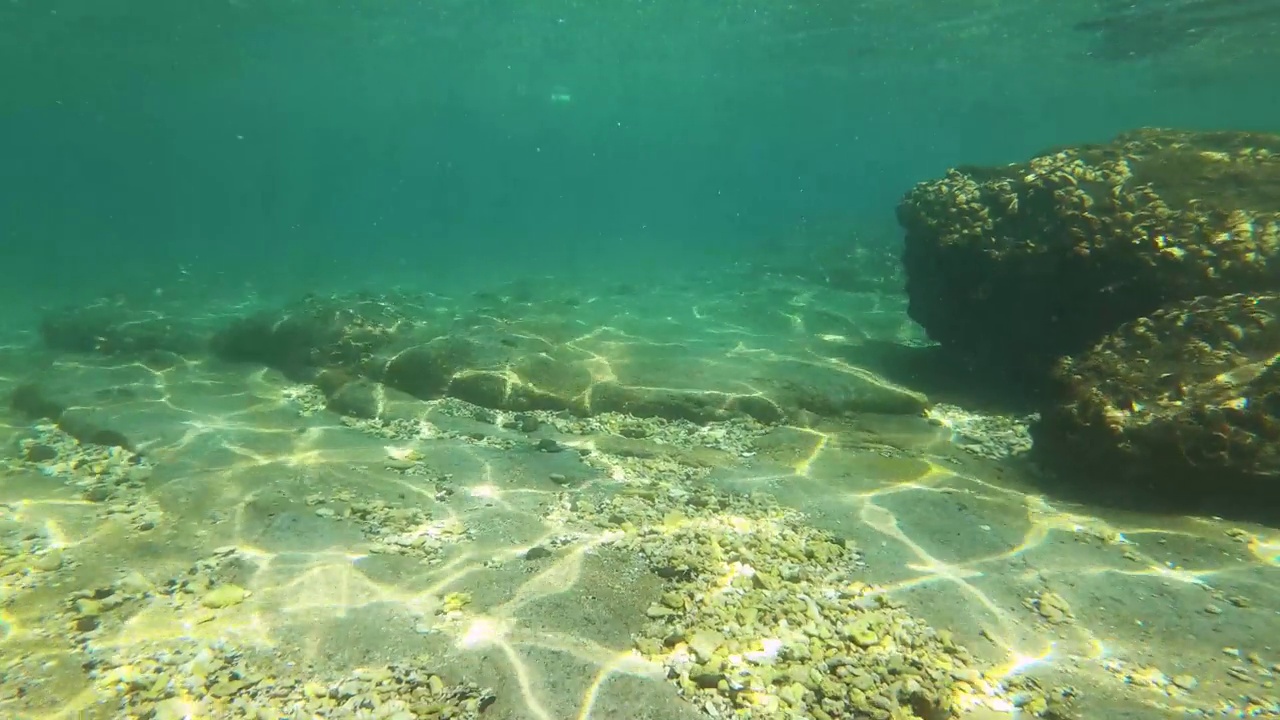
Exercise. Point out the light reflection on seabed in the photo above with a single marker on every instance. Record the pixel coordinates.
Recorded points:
(217, 469)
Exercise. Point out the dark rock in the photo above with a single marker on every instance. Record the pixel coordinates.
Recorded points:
(118, 329)
(343, 333)
(80, 424)
(537, 553)
(526, 423)
(1016, 266)
(30, 400)
(548, 445)
(426, 371)
(707, 680)
(357, 398)
(39, 452)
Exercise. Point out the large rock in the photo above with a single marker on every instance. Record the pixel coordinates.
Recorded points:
(314, 333)
(117, 328)
(771, 352)
(368, 357)
(1186, 400)
(1018, 265)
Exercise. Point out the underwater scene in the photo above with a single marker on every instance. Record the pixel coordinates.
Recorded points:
(639, 360)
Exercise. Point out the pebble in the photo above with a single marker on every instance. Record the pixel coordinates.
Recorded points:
(658, 611)
(133, 584)
(224, 596)
(753, 588)
(536, 552)
(49, 561)
(548, 445)
(172, 709)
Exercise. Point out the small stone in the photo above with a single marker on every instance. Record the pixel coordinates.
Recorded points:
(536, 552)
(371, 675)
(558, 478)
(1053, 608)
(673, 600)
(455, 601)
(49, 561)
(97, 493)
(707, 681)
(88, 608)
(1213, 609)
(658, 611)
(704, 644)
(133, 584)
(435, 685)
(325, 512)
(172, 709)
(314, 690)
(1186, 682)
(548, 445)
(224, 596)
(860, 632)
(225, 688)
(792, 694)
(764, 581)
(38, 452)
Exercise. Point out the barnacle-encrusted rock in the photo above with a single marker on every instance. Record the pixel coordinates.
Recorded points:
(1016, 266)
(1188, 398)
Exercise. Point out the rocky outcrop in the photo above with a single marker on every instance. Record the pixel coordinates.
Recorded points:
(1186, 399)
(1135, 285)
(357, 358)
(1015, 266)
(119, 329)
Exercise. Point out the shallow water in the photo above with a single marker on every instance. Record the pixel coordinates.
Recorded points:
(263, 552)
(551, 360)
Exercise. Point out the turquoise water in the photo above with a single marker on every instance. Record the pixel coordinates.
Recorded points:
(144, 137)
(558, 360)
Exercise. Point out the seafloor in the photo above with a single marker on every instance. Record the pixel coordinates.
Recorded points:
(254, 554)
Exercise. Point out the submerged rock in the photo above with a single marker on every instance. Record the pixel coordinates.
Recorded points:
(1018, 265)
(120, 329)
(370, 359)
(1186, 400)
